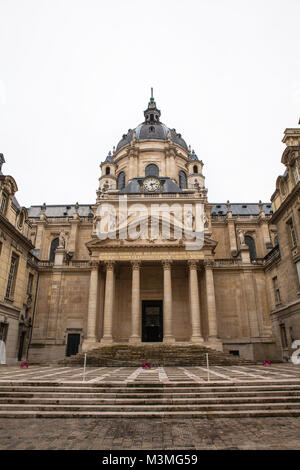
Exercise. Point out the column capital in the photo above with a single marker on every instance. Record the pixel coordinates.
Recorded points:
(109, 265)
(135, 264)
(193, 263)
(166, 263)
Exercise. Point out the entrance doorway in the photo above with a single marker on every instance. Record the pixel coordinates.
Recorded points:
(152, 321)
(21, 345)
(73, 344)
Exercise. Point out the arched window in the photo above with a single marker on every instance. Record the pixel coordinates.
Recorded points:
(107, 170)
(251, 244)
(121, 180)
(54, 245)
(195, 169)
(151, 170)
(182, 180)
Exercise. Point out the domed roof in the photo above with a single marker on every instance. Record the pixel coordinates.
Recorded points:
(193, 156)
(152, 129)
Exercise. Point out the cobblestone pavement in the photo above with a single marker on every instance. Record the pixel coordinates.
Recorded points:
(63, 374)
(161, 434)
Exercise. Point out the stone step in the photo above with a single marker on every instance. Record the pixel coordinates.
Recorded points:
(153, 414)
(147, 401)
(146, 409)
(80, 385)
(157, 354)
(153, 391)
(90, 395)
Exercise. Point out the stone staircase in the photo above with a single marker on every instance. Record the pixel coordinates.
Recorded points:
(149, 400)
(158, 354)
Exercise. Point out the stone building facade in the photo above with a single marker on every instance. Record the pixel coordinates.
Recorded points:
(96, 290)
(18, 272)
(283, 261)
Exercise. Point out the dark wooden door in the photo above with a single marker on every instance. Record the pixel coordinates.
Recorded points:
(21, 345)
(73, 344)
(152, 321)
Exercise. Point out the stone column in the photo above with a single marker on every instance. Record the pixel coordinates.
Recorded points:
(211, 301)
(135, 303)
(167, 312)
(108, 303)
(194, 303)
(92, 307)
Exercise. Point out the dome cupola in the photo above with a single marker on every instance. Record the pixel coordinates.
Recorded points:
(152, 129)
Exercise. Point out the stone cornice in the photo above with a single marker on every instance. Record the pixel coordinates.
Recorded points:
(15, 234)
(284, 205)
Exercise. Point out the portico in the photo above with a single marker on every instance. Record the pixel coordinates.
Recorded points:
(178, 294)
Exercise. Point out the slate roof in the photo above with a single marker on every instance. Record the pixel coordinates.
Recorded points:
(152, 131)
(243, 208)
(66, 210)
(85, 209)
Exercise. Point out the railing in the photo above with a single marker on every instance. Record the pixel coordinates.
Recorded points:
(236, 262)
(82, 263)
(272, 255)
(228, 262)
(45, 263)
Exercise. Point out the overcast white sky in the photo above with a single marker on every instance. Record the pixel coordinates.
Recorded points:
(76, 74)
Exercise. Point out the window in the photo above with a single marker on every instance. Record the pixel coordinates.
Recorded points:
(3, 331)
(3, 204)
(10, 288)
(276, 290)
(195, 169)
(276, 242)
(283, 336)
(151, 170)
(121, 180)
(54, 245)
(291, 334)
(235, 352)
(252, 250)
(21, 220)
(107, 170)
(30, 283)
(182, 180)
(292, 232)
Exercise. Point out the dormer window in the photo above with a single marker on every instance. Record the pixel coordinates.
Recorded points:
(182, 180)
(121, 180)
(152, 170)
(21, 220)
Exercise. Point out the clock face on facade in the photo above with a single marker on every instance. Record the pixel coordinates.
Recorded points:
(151, 185)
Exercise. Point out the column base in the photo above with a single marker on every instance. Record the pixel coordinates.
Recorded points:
(197, 339)
(106, 340)
(169, 339)
(89, 344)
(214, 342)
(134, 340)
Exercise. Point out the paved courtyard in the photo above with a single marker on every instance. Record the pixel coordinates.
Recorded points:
(126, 434)
(62, 374)
(149, 434)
